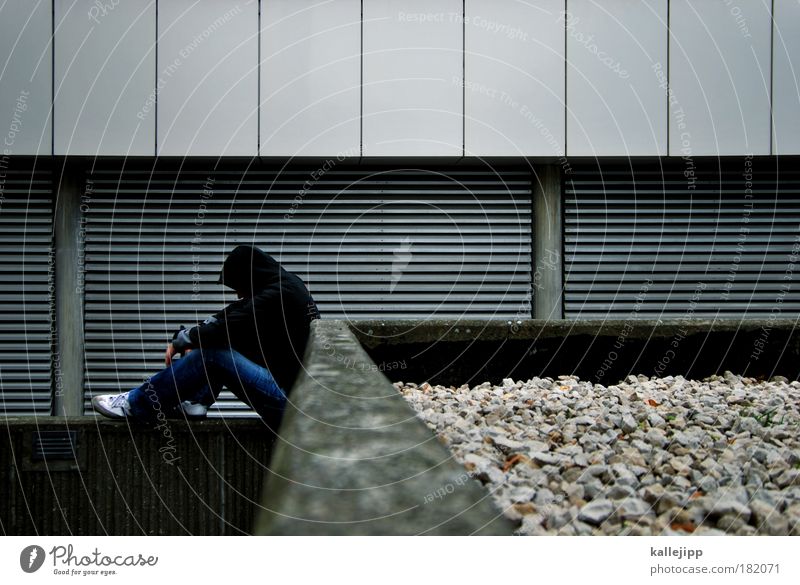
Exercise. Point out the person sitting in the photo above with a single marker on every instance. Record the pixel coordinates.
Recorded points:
(254, 347)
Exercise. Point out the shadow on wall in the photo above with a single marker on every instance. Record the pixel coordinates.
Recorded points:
(473, 352)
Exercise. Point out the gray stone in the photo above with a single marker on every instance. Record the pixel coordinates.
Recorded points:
(628, 424)
(653, 493)
(521, 494)
(558, 518)
(544, 497)
(581, 460)
(728, 505)
(736, 397)
(624, 476)
(545, 458)
(596, 512)
(669, 501)
(536, 446)
(572, 489)
(707, 484)
(656, 437)
(768, 520)
(656, 420)
(632, 508)
(596, 471)
(508, 445)
(789, 478)
(532, 525)
(581, 528)
(731, 523)
(750, 425)
(792, 514)
(572, 474)
(593, 488)
(619, 491)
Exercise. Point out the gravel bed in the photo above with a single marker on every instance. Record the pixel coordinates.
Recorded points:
(645, 456)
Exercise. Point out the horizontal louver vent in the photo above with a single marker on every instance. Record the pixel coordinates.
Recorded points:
(54, 445)
(26, 232)
(684, 240)
(370, 243)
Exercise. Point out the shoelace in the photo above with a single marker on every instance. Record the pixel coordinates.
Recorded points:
(120, 400)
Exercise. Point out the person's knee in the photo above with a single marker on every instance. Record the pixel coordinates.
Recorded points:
(219, 357)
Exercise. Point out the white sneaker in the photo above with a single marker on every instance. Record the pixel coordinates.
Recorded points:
(112, 405)
(194, 409)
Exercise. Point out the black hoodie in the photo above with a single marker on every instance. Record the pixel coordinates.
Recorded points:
(270, 326)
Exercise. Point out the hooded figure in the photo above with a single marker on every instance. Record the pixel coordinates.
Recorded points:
(269, 324)
(254, 347)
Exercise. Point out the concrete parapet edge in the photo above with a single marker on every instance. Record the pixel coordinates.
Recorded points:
(374, 332)
(353, 458)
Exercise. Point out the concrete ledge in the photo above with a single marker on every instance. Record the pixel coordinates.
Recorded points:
(373, 332)
(474, 351)
(353, 458)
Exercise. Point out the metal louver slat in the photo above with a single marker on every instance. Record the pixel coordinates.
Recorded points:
(682, 239)
(369, 242)
(26, 231)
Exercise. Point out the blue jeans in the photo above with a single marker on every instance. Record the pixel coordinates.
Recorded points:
(199, 377)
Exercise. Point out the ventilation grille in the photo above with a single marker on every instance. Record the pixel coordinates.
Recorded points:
(687, 239)
(370, 243)
(54, 445)
(26, 232)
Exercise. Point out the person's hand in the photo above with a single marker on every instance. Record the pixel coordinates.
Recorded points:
(171, 351)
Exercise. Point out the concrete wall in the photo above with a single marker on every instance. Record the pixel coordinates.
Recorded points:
(200, 478)
(402, 77)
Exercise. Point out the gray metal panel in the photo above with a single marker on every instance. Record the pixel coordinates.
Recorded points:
(683, 240)
(514, 78)
(26, 68)
(719, 74)
(104, 77)
(786, 78)
(413, 77)
(208, 78)
(310, 78)
(26, 232)
(616, 77)
(380, 243)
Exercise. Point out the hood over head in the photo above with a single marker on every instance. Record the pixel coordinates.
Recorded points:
(249, 270)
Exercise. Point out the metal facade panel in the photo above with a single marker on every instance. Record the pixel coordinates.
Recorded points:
(786, 78)
(26, 288)
(413, 77)
(514, 78)
(26, 68)
(208, 78)
(104, 78)
(719, 75)
(687, 239)
(617, 77)
(310, 78)
(370, 243)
